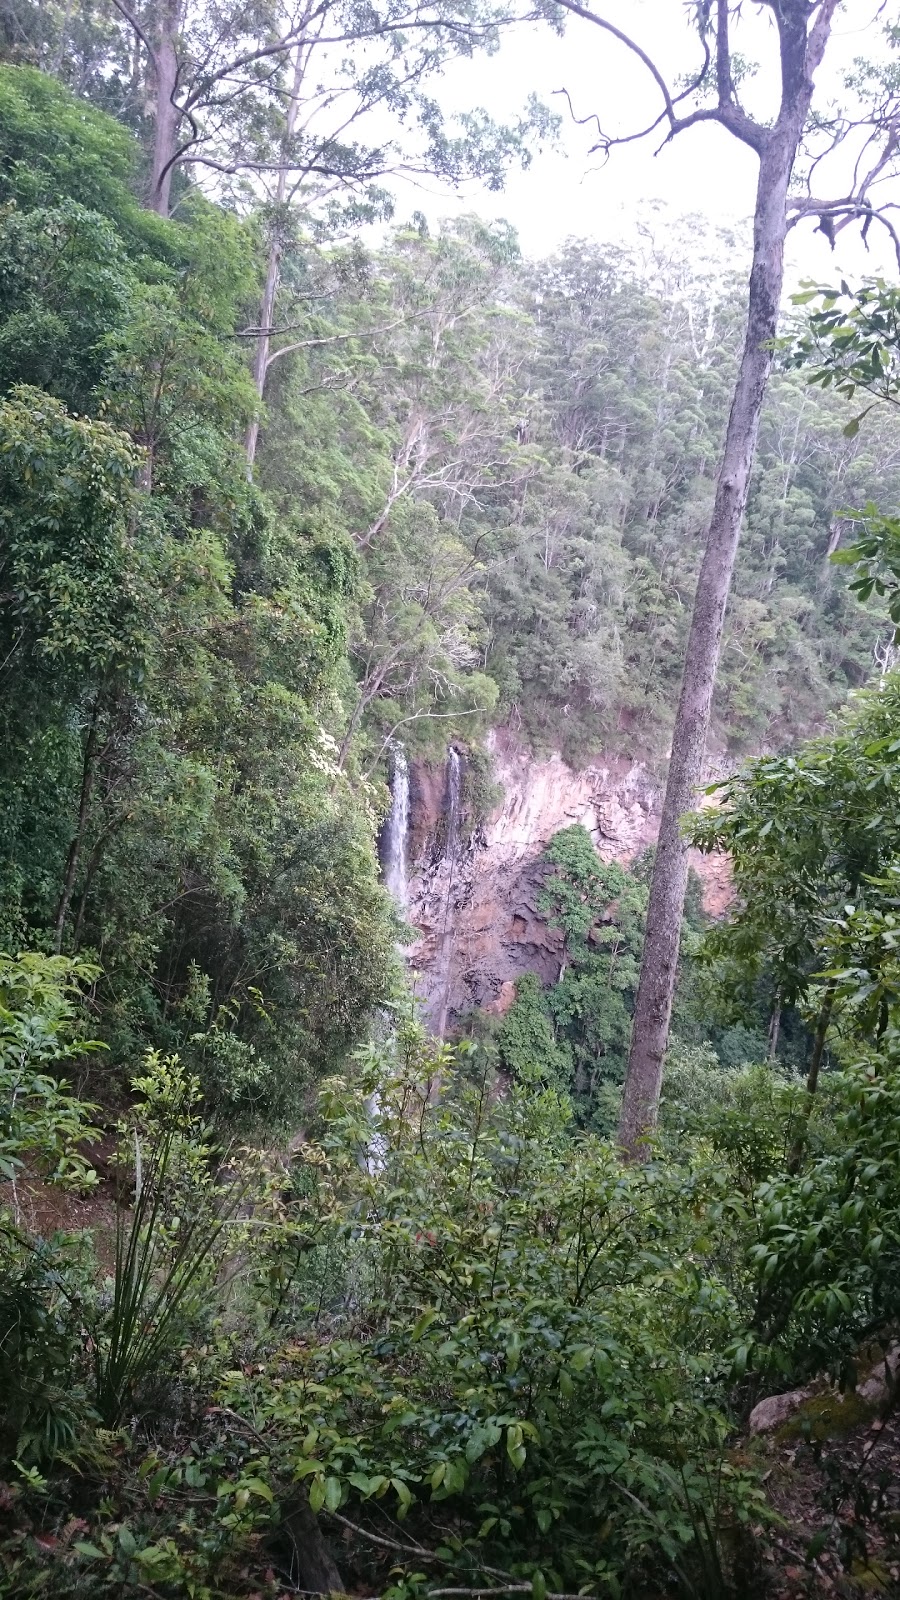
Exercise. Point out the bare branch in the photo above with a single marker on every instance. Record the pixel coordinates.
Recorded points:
(842, 213)
(334, 338)
(630, 44)
(728, 113)
(422, 1554)
(724, 80)
(132, 21)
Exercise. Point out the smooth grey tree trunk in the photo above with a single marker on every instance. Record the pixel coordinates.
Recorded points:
(273, 264)
(166, 113)
(88, 773)
(659, 965)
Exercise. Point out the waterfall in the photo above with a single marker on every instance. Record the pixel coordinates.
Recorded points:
(451, 850)
(396, 828)
(396, 880)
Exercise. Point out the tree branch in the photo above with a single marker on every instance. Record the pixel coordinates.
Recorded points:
(334, 338)
(422, 1554)
(727, 113)
(132, 21)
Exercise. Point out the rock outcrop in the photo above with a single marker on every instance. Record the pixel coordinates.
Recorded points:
(474, 906)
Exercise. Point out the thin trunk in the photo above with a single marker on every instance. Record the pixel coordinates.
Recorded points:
(352, 726)
(273, 265)
(774, 1029)
(59, 53)
(812, 1078)
(659, 964)
(815, 1063)
(93, 863)
(88, 770)
(368, 691)
(166, 112)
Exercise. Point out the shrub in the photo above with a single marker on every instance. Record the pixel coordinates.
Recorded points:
(526, 1360)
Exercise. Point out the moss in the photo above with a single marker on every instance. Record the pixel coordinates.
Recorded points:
(872, 1577)
(827, 1416)
(481, 792)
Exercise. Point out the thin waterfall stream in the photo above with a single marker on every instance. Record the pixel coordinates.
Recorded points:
(396, 828)
(395, 873)
(451, 850)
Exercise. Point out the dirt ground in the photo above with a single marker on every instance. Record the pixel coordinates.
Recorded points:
(839, 1500)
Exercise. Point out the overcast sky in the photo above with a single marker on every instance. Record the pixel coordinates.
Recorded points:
(704, 172)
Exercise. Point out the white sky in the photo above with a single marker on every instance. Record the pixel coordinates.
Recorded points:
(705, 172)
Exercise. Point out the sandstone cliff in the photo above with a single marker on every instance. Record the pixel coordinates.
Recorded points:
(474, 906)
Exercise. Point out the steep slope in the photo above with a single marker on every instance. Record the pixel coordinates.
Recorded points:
(473, 891)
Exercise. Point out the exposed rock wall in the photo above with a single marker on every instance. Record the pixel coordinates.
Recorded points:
(475, 909)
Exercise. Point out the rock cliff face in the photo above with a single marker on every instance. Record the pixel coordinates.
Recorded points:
(472, 897)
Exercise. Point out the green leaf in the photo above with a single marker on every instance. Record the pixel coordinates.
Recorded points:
(423, 1323)
(127, 1541)
(403, 1495)
(260, 1488)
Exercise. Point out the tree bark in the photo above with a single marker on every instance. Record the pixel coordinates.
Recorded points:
(313, 1565)
(659, 964)
(88, 771)
(273, 264)
(812, 1077)
(774, 1029)
(167, 116)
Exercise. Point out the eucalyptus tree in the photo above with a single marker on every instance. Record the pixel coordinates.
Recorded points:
(419, 453)
(447, 387)
(714, 93)
(269, 100)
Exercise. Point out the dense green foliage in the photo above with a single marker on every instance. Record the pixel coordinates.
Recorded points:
(173, 650)
(461, 511)
(443, 1337)
(561, 420)
(574, 1035)
(585, 1018)
(448, 1306)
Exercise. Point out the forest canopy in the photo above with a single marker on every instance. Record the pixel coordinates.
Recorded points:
(295, 1298)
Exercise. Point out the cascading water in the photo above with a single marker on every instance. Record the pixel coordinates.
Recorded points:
(395, 830)
(395, 871)
(451, 850)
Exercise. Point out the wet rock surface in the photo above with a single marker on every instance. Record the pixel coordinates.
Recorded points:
(475, 905)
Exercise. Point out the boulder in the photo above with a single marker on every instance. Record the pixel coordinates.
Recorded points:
(776, 1409)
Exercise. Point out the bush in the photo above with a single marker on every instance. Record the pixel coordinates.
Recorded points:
(526, 1363)
(43, 1283)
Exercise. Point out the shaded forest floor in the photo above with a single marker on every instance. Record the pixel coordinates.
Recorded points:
(841, 1493)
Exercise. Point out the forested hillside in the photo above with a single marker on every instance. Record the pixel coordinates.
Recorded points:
(541, 439)
(295, 1299)
(479, 495)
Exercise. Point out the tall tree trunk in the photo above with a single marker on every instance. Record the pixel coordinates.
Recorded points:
(88, 769)
(812, 1078)
(774, 1028)
(273, 264)
(59, 50)
(167, 115)
(659, 964)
